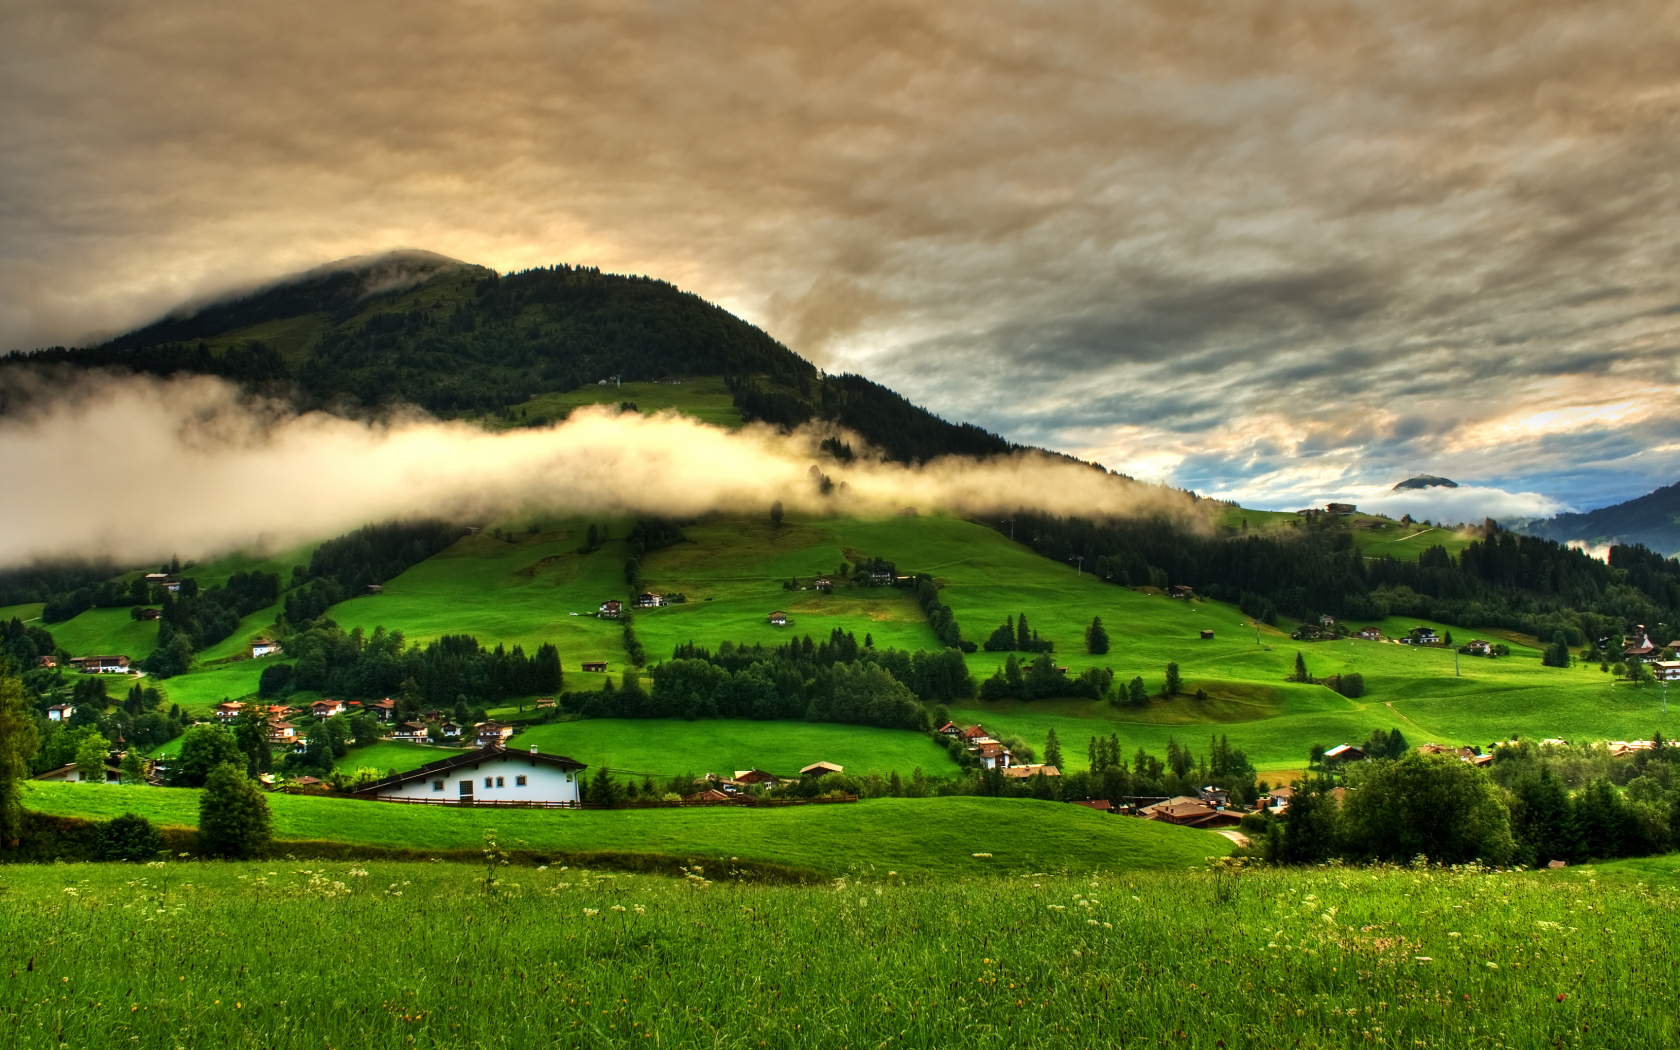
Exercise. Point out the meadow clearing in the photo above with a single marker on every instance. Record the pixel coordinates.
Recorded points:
(284, 954)
(525, 587)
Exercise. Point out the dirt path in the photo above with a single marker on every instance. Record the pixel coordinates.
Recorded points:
(1235, 836)
(1399, 713)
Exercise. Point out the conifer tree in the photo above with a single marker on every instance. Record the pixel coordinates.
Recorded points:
(1096, 638)
(1053, 749)
(1301, 674)
(1023, 635)
(1174, 683)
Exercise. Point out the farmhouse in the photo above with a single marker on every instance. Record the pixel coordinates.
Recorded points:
(229, 711)
(1102, 805)
(1022, 772)
(817, 769)
(326, 708)
(599, 666)
(951, 729)
(823, 583)
(150, 614)
(492, 734)
(101, 664)
(373, 588)
(992, 754)
(778, 619)
(60, 712)
(384, 710)
(69, 774)
(281, 732)
(1642, 650)
(49, 661)
(544, 702)
(1420, 636)
(749, 777)
(410, 732)
(264, 647)
(612, 610)
(1369, 634)
(1181, 590)
(1191, 813)
(1478, 647)
(649, 600)
(882, 578)
(975, 732)
(1306, 632)
(1666, 670)
(168, 582)
(1343, 509)
(1344, 753)
(1327, 622)
(451, 731)
(488, 775)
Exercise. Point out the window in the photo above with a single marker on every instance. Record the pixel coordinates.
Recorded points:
(437, 785)
(466, 789)
(519, 781)
(488, 782)
(501, 781)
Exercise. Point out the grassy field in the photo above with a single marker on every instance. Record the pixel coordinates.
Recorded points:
(398, 955)
(387, 755)
(935, 837)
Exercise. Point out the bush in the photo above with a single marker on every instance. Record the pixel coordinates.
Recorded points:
(129, 837)
(274, 680)
(233, 818)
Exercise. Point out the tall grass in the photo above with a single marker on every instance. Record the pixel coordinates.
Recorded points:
(281, 955)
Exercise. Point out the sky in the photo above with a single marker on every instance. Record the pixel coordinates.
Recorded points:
(1275, 252)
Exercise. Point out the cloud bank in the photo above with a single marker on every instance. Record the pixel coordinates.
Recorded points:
(139, 468)
(1249, 249)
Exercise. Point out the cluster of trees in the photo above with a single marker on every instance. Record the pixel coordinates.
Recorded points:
(193, 619)
(940, 617)
(1042, 679)
(24, 644)
(342, 568)
(43, 582)
(1533, 804)
(1502, 580)
(440, 674)
(1014, 635)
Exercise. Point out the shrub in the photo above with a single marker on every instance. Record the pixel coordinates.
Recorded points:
(129, 837)
(233, 818)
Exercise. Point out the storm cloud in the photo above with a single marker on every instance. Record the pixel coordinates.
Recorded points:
(1274, 252)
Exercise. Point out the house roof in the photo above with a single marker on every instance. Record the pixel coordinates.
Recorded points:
(110, 767)
(1343, 749)
(755, 774)
(822, 767)
(468, 758)
(1029, 771)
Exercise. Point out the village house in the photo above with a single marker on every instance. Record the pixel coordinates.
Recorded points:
(281, 733)
(492, 733)
(750, 777)
(823, 583)
(410, 733)
(1327, 622)
(1369, 634)
(326, 708)
(882, 578)
(1478, 647)
(1277, 801)
(612, 610)
(778, 619)
(1642, 650)
(101, 664)
(1213, 796)
(544, 702)
(383, 710)
(1307, 632)
(1100, 804)
(150, 614)
(1341, 509)
(974, 733)
(168, 582)
(818, 769)
(1024, 771)
(951, 729)
(49, 661)
(710, 794)
(1666, 670)
(1191, 813)
(228, 711)
(60, 712)
(992, 754)
(373, 588)
(264, 647)
(451, 731)
(649, 600)
(1345, 753)
(1463, 754)
(281, 711)
(488, 775)
(595, 666)
(1420, 636)
(69, 774)
(1181, 590)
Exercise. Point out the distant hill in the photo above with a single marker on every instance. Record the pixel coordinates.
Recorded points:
(1425, 481)
(1653, 520)
(451, 337)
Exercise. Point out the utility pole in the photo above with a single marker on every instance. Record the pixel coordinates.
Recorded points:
(1011, 523)
(1455, 663)
(1256, 632)
(1078, 564)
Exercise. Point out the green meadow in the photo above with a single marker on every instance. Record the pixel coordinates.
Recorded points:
(534, 587)
(934, 837)
(377, 954)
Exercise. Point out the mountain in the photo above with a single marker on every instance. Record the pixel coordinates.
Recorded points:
(452, 337)
(1424, 481)
(1652, 519)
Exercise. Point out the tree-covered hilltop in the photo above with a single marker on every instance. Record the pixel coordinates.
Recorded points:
(453, 338)
(1506, 580)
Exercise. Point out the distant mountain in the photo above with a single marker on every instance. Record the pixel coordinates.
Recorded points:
(1653, 520)
(451, 337)
(1425, 481)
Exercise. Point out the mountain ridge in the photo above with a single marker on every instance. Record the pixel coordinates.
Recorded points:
(1652, 520)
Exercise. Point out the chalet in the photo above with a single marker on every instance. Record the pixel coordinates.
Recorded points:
(749, 777)
(951, 729)
(492, 733)
(649, 600)
(1192, 813)
(383, 710)
(818, 769)
(1101, 805)
(1327, 622)
(1463, 754)
(1024, 771)
(264, 647)
(101, 664)
(1181, 590)
(975, 732)
(326, 708)
(451, 731)
(281, 733)
(1420, 636)
(544, 702)
(823, 583)
(1307, 632)
(711, 794)
(229, 711)
(490, 774)
(1666, 670)
(1345, 753)
(411, 733)
(69, 774)
(598, 666)
(150, 614)
(1369, 634)
(1478, 647)
(1641, 650)
(1341, 509)
(1213, 796)
(992, 754)
(60, 712)
(612, 610)
(48, 661)
(167, 581)
(281, 711)
(778, 619)
(373, 588)
(882, 578)
(308, 782)
(1207, 634)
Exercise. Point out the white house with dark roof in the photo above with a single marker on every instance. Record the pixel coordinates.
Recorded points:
(488, 775)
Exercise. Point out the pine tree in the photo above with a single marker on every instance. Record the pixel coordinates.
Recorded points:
(1301, 674)
(1136, 692)
(1096, 638)
(1023, 634)
(1174, 682)
(233, 817)
(1053, 750)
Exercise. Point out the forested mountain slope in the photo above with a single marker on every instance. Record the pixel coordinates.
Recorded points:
(452, 338)
(1652, 520)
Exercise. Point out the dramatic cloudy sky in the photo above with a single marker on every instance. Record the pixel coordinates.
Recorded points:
(1271, 250)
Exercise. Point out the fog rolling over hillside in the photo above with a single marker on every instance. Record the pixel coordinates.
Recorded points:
(1652, 520)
